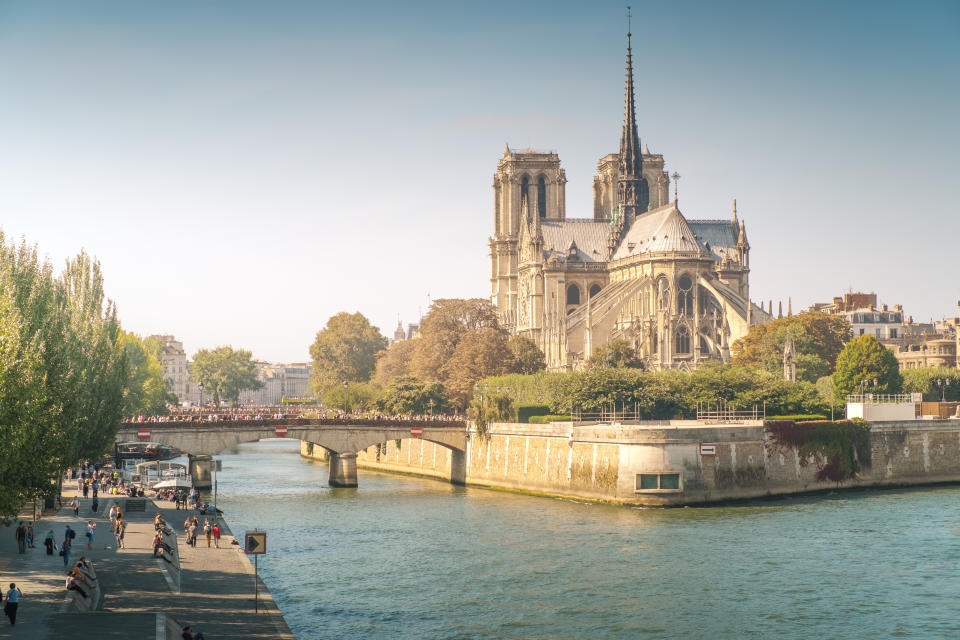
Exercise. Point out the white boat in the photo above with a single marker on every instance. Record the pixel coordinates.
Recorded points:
(150, 474)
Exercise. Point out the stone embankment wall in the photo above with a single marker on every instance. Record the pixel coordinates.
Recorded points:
(663, 463)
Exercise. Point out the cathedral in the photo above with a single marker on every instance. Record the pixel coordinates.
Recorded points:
(638, 269)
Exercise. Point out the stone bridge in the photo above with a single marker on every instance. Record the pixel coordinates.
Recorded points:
(341, 437)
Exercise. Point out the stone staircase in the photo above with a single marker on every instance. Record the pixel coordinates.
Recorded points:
(136, 504)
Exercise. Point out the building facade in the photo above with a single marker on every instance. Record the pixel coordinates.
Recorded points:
(280, 381)
(176, 374)
(637, 269)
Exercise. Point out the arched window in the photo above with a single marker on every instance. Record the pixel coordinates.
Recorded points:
(542, 197)
(524, 191)
(573, 294)
(685, 295)
(594, 290)
(663, 294)
(683, 340)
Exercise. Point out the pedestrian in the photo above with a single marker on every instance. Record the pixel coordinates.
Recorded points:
(86, 489)
(119, 530)
(30, 535)
(48, 542)
(193, 534)
(95, 503)
(113, 515)
(13, 600)
(207, 530)
(67, 545)
(157, 544)
(91, 528)
(216, 534)
(190, 635)
(76, 507)
(21, 534)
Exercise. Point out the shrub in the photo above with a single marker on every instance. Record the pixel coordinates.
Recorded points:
(526, 411)
(548, 419)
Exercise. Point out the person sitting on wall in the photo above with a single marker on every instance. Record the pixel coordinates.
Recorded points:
(188, 634)
(73, 585)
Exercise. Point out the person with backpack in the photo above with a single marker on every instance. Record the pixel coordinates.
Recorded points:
(67, 545)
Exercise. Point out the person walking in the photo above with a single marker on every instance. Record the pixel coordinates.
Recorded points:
(13, 601)
(48, 542)
(207, 530)
(113, 515)
(216, 534)
(193, 534)
(67, 545)
(76, 507)
(91, 528)
(21, 534)
(119, 530)
(30, 535)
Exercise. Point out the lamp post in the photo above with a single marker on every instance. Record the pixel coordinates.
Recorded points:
(944, 384)
(431, 406)
(346, 397)
(200, 387)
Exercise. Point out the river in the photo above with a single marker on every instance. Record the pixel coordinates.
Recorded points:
(405, 557)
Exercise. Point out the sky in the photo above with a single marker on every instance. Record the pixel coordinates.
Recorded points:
(245, 170)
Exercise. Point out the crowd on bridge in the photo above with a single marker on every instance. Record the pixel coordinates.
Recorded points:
(266, 415)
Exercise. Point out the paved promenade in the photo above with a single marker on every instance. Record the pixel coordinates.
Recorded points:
(217, 584)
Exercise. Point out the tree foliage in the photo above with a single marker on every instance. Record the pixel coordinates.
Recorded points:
(394, 361)
(479, 353)
(527, 356)
(865, 360)
(818, 338)
(353, 397)
(448, 320)
(225, 372)
(925, 381)
(63, 371)
(146, 392)
(406, 395)
(345, 350)
(617, 354)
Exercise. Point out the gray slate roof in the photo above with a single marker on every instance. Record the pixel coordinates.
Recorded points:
(721, 234)
(662, 229)
(589, 235)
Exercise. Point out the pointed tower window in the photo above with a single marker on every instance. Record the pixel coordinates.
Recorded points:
(683, 339)
(524, 191)
(542, 197)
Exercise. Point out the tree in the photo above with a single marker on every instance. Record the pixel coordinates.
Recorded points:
(225, 372)
(345, 350)
(146, 392)
(406, 395)
(865, 360)
(448, 320)
(394, 362)
(817, 337)
(480, 353)
(527, 356)
(933, 382)
(616, 354)
(354, 396)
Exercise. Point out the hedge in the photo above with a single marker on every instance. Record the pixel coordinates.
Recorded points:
(526, 411)
(548, 419)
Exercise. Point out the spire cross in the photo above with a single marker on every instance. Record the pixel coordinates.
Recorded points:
(676, 182)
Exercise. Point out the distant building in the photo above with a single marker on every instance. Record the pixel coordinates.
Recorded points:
(936, 344)
(400, 334)
(176, 374)
(865, 316)
(280, 381)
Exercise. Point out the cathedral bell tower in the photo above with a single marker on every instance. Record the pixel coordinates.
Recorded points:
(633, 193)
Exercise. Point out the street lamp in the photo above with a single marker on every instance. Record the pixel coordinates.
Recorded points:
(431, 406)
(200, 387)
(346, 398)
(943, 383)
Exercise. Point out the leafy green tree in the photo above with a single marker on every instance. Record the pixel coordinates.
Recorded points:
(354, 397)
(818, 338)
(865, 360)
(406, 395)
(225, 372)
(345, 350)
(146, 392)
(395, 361)
(527, 355)
(925, 380)
(617, 354)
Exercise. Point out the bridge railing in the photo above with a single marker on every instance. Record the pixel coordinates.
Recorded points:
(344, 421)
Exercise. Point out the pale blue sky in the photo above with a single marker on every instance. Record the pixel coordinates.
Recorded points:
(244, 170)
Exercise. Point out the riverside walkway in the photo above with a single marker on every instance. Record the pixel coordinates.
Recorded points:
(217, 588)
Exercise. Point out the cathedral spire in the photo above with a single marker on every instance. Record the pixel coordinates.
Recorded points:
(631, 159)
(633, 193)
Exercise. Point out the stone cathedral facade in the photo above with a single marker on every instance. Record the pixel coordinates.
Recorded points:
(639, 270)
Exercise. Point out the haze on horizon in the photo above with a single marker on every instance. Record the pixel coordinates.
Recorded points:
(245, 170)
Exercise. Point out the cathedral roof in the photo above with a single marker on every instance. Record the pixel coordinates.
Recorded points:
(721, 235)
(662, 229)
(588, 237)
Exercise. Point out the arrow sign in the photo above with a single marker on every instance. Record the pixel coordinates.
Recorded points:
(416, 431)
(255, 543)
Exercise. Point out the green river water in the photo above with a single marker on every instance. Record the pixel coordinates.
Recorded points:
(405, 557)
